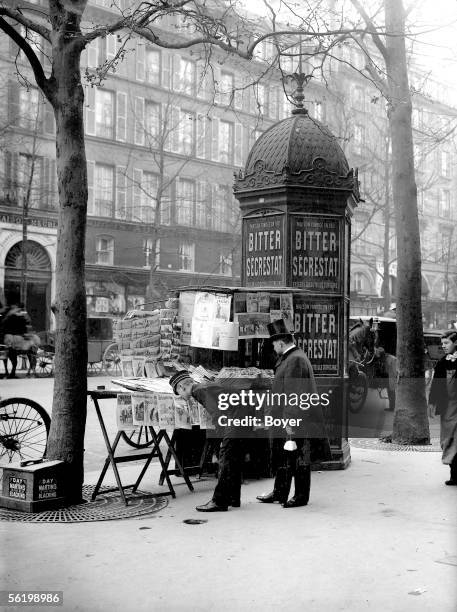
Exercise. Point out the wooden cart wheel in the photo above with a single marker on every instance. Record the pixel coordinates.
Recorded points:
(112, 360)
(358, 391)
(138, 438)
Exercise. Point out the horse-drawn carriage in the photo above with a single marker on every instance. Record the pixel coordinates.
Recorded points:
(371, 360)
(102, 351)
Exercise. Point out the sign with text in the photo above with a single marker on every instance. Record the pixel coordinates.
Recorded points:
(315, 250)
(317, 332)
(263, 247)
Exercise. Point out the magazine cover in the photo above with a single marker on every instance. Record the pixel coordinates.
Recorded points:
(139, 408)
(205, 419)
(151, 410)
(182, 417)
(124, 412)
(192, 407)
(166, 409)
(127, 367)
(138, 363)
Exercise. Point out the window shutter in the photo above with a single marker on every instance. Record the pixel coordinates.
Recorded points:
(201, 136)
(175, 129)
(13, 102)
(139, 121)
(140, 60)
(90, 187)
(166, 69)
(111, 46)
(90, 110)
(121, 193)
(121, 116)
(239, 153)
(238, 95)
(92, 53)
(176, 73)
(137, 194)
(215, 139)
(49, 121)
(217, 84)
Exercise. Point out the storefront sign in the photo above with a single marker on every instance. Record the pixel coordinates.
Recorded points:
(263, 245)
(31, 221)
(315, 253)
(317, 332)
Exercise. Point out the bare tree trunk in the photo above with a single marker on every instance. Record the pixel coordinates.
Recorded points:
(410, 422)
(66, 439)
(387, 223)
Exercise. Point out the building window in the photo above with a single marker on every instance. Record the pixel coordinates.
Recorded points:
(444, 203)
(147, 250)
(359, 283)
(185, 197)
(359, 139)
(186, 132)
(226, 88)
(153, 66)
(186, 77)
(445, 167)
(186, 256)
(149, 185)
(226, 142)
(104, 192)
(152, 121)
(221, 208)
(104, 113)
(225, 264)
(28, 108)
(30, 172)
(105, 250)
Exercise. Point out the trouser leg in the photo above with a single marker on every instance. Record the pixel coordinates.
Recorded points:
(12, 355)
(454, 469)
(228, 486)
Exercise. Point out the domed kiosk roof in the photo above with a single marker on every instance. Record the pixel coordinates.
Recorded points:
(298, 150)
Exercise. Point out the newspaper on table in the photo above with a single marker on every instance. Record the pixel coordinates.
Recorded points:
(139, 408)
(124, 413)
(151, 410)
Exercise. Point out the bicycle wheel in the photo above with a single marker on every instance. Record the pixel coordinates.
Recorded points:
(138, 438)
(44, 364)
(24, 429)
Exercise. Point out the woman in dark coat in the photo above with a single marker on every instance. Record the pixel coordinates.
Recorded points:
(443, 395)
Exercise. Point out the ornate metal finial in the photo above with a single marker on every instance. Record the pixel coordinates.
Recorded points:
(300, 79)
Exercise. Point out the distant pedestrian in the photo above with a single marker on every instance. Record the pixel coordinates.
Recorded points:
(443, 398)
(16, 325)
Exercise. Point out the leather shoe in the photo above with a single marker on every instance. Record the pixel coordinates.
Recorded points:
(295, 502)
(211, 506)
(451, 483)
(267, 499)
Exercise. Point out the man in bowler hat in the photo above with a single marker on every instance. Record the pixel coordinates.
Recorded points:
(293, 375)
(231, 454)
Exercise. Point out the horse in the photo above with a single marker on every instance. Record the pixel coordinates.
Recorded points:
(31, 343)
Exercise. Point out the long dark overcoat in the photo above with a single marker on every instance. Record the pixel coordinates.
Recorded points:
(443, 394)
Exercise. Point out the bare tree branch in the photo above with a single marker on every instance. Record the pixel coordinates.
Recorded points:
(28, 23)
(35, 63)
(374, 32)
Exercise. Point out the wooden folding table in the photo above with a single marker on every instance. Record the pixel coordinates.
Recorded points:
(99, 394)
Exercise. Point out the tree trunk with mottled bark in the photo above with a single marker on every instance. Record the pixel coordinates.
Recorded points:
(410, 422)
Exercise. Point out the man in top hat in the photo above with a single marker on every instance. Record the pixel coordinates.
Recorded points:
(291, 458)
(231, 453)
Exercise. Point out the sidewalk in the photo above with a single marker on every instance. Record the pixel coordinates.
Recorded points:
(379, 536)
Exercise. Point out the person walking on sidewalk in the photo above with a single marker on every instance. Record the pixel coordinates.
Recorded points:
(443, 398)
(293, 376)
(231, 454)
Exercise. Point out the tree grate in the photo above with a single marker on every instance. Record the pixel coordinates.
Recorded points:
(376, 444)
(106, 507)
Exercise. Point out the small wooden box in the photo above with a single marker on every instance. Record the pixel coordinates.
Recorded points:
(33, 488)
